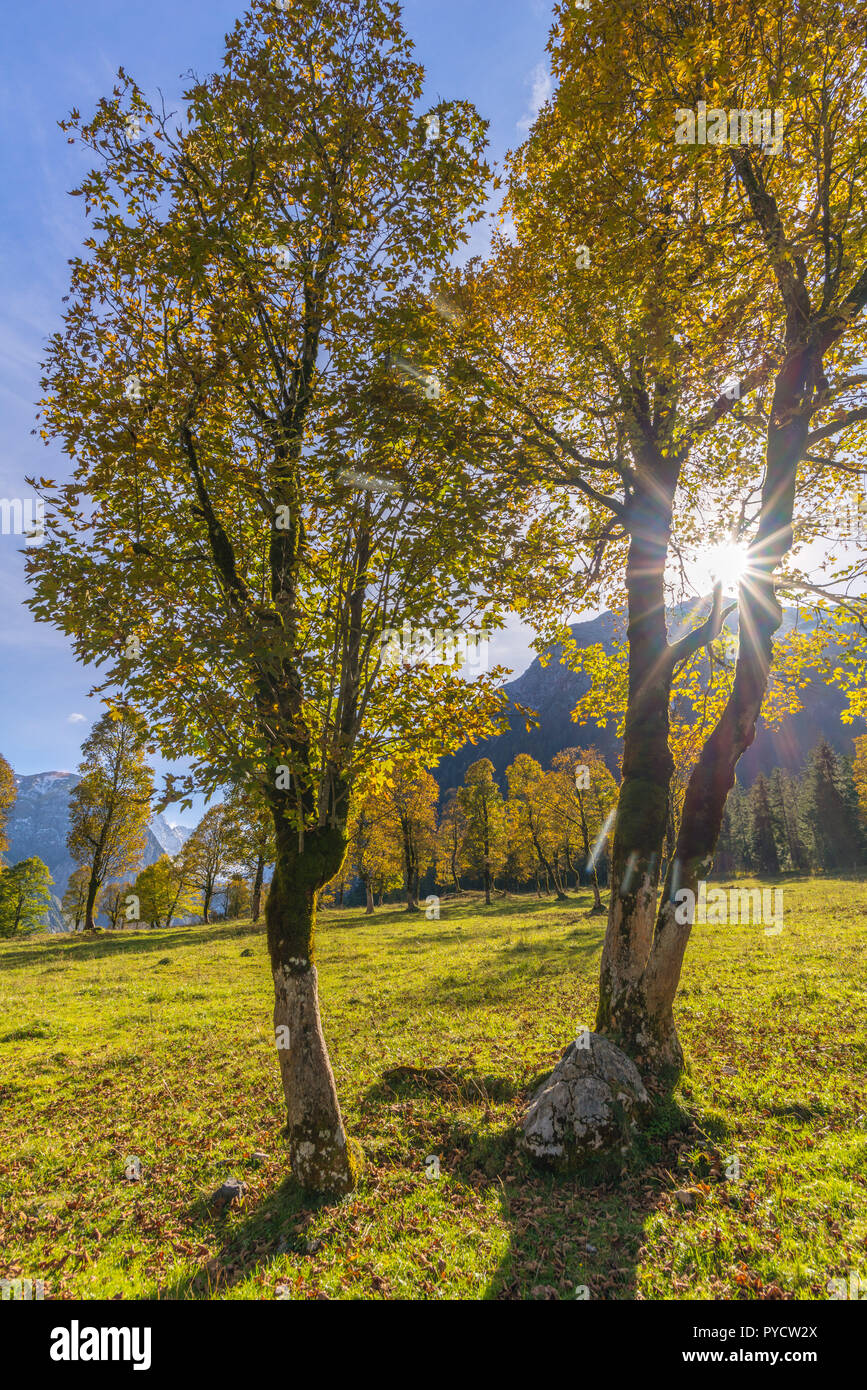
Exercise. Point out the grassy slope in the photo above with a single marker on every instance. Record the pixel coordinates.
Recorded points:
(159, 1045)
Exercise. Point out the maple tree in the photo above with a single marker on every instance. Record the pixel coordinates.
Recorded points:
(164, 891)
(859, 774)
(73, 904)
(239, 899)
(220, 380)
(114, 902)
(702, 391)
(530, 790)
(483, 809)
(109, 808)
(25, 896)
(451, 836)
(207, 854)
(252, 840)
(585, 795)
(8, 792)
(410, 798)
(374, 851)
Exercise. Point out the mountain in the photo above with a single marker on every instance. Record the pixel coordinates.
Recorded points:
(553, 691)
(170, 837)
(39, 822)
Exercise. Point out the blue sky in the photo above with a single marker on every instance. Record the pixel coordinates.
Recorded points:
(60, 55)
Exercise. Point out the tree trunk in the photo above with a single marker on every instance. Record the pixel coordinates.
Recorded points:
(645, 942)
(322, 1159)
(206, 905)
(552, 871)
(642, 809)
(256, 900)
(92, 890)
(409, 862)
(369, 895)
(759, 616)
(585, 837)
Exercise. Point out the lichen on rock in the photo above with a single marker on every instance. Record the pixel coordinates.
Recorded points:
(587, 1108)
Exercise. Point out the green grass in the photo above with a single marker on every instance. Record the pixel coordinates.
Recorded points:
(159, 1045)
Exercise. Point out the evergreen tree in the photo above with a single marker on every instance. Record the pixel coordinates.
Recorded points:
(724, 862)
(798, 856)
(829, 811)
(737, 809)
(777, 811)
(854, 836)
(762, 840)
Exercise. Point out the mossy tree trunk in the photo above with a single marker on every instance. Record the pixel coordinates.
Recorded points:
(642, 810)
(321, 1158)
(256, 902)
(644, 942)
(759, 616)
(92, 891)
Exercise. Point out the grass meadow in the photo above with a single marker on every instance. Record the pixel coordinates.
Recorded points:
(159, 1045)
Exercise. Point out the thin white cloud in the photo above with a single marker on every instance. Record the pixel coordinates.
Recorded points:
(543, 87)
(77, 719)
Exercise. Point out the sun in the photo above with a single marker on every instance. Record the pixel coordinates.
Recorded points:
(726, 563)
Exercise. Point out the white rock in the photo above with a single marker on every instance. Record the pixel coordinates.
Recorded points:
(590, 1103)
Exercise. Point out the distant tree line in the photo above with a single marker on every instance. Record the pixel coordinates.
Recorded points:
(812, 823)
(547, 833)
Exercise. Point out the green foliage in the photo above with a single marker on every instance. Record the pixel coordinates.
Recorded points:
(798, 824)
(8, 793)
(25, 896)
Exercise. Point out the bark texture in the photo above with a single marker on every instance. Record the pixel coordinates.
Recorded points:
(323, 1160)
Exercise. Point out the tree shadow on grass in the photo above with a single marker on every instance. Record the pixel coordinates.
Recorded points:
(580, 1237)
(447, 1082)
(161, 939)
(508, 969)
(569, 1237)
(276, 1226)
